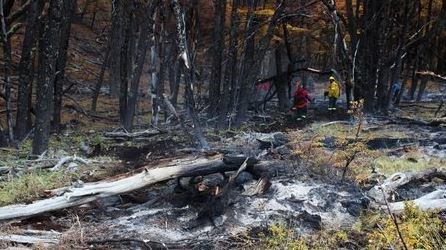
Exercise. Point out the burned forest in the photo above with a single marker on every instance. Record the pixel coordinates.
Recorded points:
(223, 124)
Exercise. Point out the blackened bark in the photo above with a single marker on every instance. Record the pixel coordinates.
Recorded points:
(143, 45)
(242, 99)
(98, 86)
(414, 79)
(281, 82)
(217, 56)
(176, 85)
(48, 53)
(229, 85)
(68, 9)
(25, 69)
(126, 63)
(6, 43)
(117, 35)
(154, 64)
(7, 7)
(423, 85)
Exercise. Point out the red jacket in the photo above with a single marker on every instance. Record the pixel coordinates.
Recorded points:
(301, 98)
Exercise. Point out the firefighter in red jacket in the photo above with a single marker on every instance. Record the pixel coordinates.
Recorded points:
(301, 99)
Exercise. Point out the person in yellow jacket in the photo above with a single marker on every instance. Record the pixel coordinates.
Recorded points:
(333, 92)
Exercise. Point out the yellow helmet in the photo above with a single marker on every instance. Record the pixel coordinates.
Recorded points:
(331, 78)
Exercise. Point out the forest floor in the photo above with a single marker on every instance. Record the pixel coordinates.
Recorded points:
(307, 196)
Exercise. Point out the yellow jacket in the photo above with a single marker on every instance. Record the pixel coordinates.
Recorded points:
(334, 90)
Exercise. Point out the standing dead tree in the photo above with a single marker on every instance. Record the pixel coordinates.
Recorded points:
(25, 69)
(68, 10)
(141, 51)
(48, 53)
(217, 56)
(229, 84)
(6, 45)
(187, 70)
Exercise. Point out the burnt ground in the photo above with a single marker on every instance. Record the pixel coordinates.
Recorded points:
(301, 196)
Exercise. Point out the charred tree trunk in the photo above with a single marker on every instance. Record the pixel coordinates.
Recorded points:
(415, 79)
(126, 63)
(155, 70)
(6, 44)
(68, 9)
(229, 85)
(48, 53)
(242, 100)
(281, 82)
(25, 69)
(98, 86)
(117, 34)
(143, 45)
(217, 56)
(423, 85)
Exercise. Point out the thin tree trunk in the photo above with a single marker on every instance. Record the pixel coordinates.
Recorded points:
(65, 27)
(186, 66)
(423, 85)
(414, 84)
(242, 100)
(25, 69)
(6, 42)
(229, 85)
(154, 64)
(126, 63)
(281, 82)
(97, 89)
(116, 46)
(143, 45)
(217, 56)
(48, 53)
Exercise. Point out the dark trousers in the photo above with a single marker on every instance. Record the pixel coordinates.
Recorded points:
(301, 113)
(332, 103)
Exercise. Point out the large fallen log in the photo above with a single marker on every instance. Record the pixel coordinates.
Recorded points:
(432, 201)
(88, 192)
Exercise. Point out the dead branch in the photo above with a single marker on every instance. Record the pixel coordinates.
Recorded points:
(19, 12)
(127, 135)
(46, 238)
(334, 122)
(432, 74)
(397, 180)
(67, 159)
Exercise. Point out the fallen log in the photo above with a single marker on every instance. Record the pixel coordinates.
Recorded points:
(397, 180)
(127, 135)
(432, 201)
(44, 238)
(88, 192)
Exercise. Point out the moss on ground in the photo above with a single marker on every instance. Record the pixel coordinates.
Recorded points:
(31, 186)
